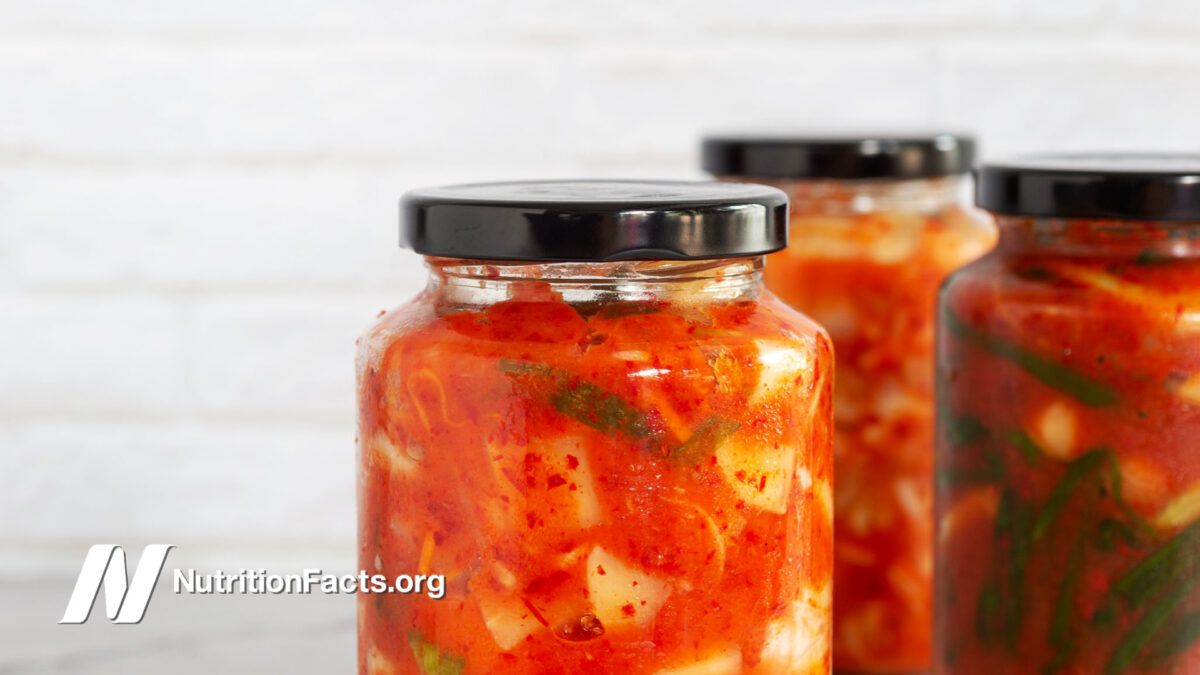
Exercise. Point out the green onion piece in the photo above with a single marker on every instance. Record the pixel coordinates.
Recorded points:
(992, 471)
(580, 400)
(705, 440)
(1063, 634)
(1086, 390)
(1014, 518)
(1170, 561)
(1005, 512)
(1149, 256)
(1076, 472)
(1026, 446)
(1060, 660)
(591, 405)
(1105, 616)
(1145, 629)
(1139, 523)
(1015, 605)
(1110, 530)
(1037, 273)
(965, 430)
(1061, 623)
(986, 608)
(1182, 635)
(955, 477)
(950, 656)
(616, 310)
(431, 660)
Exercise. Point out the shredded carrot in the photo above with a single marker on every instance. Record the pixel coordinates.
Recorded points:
(426, 554)
(432, 387)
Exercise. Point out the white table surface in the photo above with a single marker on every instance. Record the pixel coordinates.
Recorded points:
(180, 634)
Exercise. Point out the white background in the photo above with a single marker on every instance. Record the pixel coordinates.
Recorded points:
(198, 202)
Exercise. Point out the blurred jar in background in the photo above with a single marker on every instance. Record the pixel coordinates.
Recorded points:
(1068, 473)
(877, 222)
(604, 431)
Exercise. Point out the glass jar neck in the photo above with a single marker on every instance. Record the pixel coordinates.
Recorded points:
(1097, 238)
(485, 282)
(850, 197)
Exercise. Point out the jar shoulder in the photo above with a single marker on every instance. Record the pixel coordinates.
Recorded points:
(1071, 306)
(391, 326)
(679, 336)
(941, 239)
(1099, 283)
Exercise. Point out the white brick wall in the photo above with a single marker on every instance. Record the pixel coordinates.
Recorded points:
(90, 355)
(198, 201)
(276, 358)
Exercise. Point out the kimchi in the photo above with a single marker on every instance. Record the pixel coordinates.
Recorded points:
(1068, 481)
(617, 466)
(872, 238)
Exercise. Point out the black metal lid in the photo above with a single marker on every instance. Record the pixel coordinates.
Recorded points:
(1121, 186)
(846, 157)
(585, 220)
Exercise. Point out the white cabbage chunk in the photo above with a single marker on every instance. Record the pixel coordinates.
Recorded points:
(587, 501)
(708, 524)
(1144, 483)
(760, 475)
(378, 664)
(1161, 306)
(391, 457)
(1181, 511)
(1190, 389)
(978, 505)
(1055, 431)
(573, 504)
(725, 662)
(899, 240)
(507, 619)
(759, 471)
(799, 641)
(888, 238)
(621, 594)
(783, 366)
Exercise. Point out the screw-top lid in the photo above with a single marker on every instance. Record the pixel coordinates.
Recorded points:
(594, 220)
(846, 157)
(1121, 186)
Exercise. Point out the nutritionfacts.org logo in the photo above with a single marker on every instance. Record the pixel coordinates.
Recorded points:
(125, 600)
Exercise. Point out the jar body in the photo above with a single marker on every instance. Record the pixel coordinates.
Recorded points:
(618, 467)
(865, 261)
(1068, 480)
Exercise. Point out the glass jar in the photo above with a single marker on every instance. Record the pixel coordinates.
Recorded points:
(607, 436)
(876, 225)
(1069, 387)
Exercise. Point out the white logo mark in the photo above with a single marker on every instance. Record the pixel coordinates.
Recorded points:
(124, 602)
